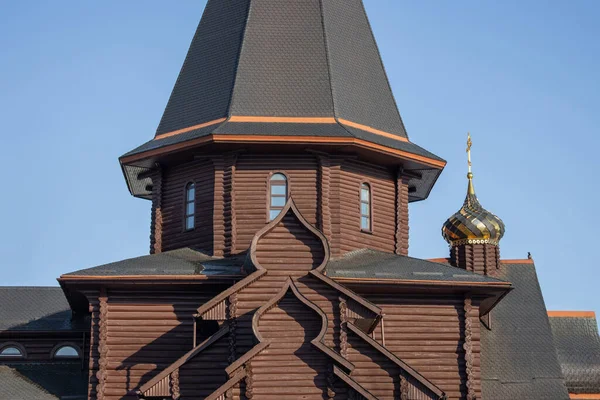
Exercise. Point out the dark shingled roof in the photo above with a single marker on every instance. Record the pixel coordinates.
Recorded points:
(518, 359)
(578, 347)
(366, 263)
(48, 381)
(185, 261)
(273, 58)
(309, 58)
(36, 309)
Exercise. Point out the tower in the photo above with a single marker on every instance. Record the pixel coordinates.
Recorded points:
(473, 232)
(291, 90)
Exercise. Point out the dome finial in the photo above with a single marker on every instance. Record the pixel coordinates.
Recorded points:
(472, 223)
(470, 174)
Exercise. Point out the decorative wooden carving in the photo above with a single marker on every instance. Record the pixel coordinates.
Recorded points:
(232, 318)
(102, 346)
(175, 392)
(249, 381)
(330, 383)
(401, 214)
(324, 210)
(230, 223)
(156, 224)
(344, 326)
(468, 347)
(404, 387)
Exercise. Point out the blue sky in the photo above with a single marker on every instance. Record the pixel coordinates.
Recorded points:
(82, 82)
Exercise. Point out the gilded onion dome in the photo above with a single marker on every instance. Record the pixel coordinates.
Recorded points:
(472, 224)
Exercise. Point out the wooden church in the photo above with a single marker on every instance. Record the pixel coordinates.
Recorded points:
(280, 178)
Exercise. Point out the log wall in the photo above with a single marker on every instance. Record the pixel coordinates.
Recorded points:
(143, 332)
(174, 181)
(429, 335)
(292, 367)
(345, 208)
(232, 202)
(251, 179)
(479, 258)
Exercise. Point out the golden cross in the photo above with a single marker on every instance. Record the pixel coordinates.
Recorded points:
(469, 144)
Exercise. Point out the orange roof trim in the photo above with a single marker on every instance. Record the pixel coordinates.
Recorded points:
(572, 314)
(226, 138)
(190, 128)
(285, 120)
(517, 261)
(592, 396)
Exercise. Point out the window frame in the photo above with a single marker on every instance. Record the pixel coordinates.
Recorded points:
(369, 204)
(269, 208)
(59, 346)
(8, 345)
(186, 202)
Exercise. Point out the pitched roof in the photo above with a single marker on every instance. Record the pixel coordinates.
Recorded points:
(372, 264)
(253, 63)
(48, 381)
(578, 347)
(36, 309)
(185, 261)
(311, 58)
(519, 361)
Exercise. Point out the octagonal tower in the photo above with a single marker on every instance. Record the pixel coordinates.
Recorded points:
(293, 89)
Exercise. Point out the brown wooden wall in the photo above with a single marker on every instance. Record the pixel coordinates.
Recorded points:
(143, 332)
(174, 181)
(345, 204)
(232, 202)
(429, 335)
(252, 174)
(292, 367)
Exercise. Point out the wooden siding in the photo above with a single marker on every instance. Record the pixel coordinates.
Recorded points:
(428, 334)
(292, 367)
(346, 182)
(232, 202)
(479, 258)
(290, 247)
(251, 177)
(174, 181)
(146, 331)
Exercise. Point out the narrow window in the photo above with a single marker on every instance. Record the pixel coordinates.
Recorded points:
(278, 195)
(365, 207)
(190, 206)
(66, 352)
(11, 352)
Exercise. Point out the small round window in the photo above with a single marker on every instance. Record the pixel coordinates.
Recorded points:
(66, 352)
(12, 352)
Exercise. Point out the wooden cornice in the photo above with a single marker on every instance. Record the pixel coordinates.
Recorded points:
(142, 278)
(392, 357)
(426, 283)
(332, 140)
(591, 396)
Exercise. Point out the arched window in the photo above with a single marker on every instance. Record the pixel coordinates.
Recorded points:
(66, 351)
(12, 351)
(190, 206)
(365, 207)
(278, 187)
